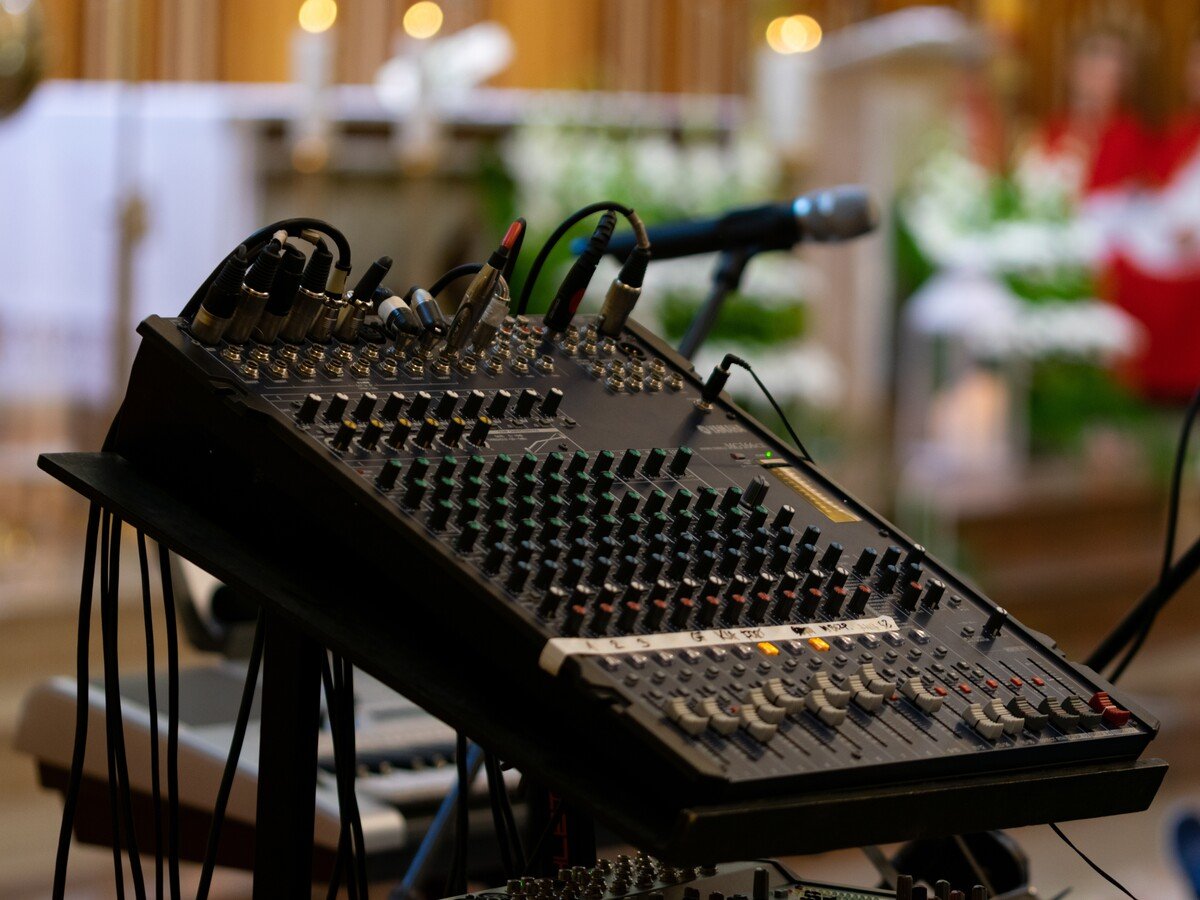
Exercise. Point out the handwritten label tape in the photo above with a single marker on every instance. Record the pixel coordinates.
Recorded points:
(557, 650)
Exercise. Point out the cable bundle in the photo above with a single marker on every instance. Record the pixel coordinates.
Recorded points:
(104, 534)
(337, 677)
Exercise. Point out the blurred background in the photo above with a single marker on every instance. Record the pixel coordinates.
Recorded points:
(1001, 369)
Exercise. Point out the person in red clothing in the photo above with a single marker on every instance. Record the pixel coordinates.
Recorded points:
(1155, 272)
(1097, 143)
(1182, 139)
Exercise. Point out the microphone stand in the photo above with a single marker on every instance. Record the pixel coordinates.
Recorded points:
(1151, 602)
(726, 277)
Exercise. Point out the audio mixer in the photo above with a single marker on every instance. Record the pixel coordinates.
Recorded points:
(567, 543)
(646, 877)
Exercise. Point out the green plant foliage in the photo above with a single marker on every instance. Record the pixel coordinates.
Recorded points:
(913, 267)
(1063, 284)
(1069, 397)
(743, 320)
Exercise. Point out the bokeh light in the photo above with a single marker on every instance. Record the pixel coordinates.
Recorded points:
(423, 20)
(318, 15)
(775, 35)
(793, 34)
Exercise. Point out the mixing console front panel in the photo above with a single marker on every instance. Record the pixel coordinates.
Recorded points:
(653, 580)
(747, 613)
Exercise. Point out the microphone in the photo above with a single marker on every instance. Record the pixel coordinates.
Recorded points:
(833, 214)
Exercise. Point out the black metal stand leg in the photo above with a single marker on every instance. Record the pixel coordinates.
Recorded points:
(725, 279)
(287, 762)
(560, 834)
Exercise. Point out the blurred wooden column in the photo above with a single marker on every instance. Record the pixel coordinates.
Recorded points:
(709, 46)
(872, 116)
(364, 32)
(190, 40)
(556, 43)
(255, 39)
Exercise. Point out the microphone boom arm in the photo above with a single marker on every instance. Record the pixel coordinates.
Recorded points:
(726, 277)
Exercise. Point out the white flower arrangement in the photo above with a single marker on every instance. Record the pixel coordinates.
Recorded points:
(993, 322)
(949, 210)
(560, 166)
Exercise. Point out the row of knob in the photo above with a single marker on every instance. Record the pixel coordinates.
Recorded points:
(558, 475)
(422, 405)
(907, 890)
(428, 433)
(617, 877)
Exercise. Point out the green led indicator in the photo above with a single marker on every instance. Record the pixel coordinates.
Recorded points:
(769, 454)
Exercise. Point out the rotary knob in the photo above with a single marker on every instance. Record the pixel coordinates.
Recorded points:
(365, 406)
(499, 404)
(307, 411)
(549, 407)
(371, 434)
(392, 406)
(427, 432)
(399, 434)
(446, 405)
(345, 434)
(420, 405)
(525, 402)
(473, 404)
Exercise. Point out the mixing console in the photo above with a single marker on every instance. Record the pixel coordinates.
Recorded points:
(568, 513)
(645, 877)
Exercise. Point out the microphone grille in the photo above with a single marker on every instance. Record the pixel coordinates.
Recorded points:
(836, 213)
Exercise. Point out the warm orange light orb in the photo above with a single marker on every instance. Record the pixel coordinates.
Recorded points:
(801, 33)
(793, 34)
(423, 20)
(318, 15)
(775, 35)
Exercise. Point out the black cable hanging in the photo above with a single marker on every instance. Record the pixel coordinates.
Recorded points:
(335, 877)
(1176, 489)
(716, 383)
(168, 592)
(345, 847)
(120, 790)
(344, 830)
(1094, 866)
(83, 640)
(452, 276)
(110, 761)
(494, 786)
(152, 703)
(235, 751)
(510, 823)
